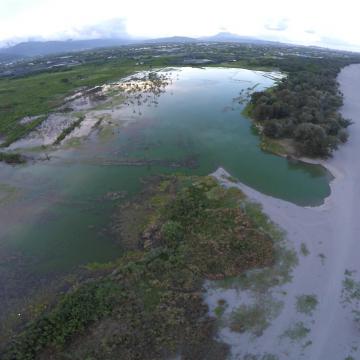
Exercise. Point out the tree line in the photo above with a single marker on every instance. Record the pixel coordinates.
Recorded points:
(304, 106)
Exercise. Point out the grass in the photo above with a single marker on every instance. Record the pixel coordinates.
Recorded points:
(255, 318)
(351, 295)
(306, 304)
(297, 332)
(247, 110)
(72, 314)
(41, 93)
(69, 130)
(260, 280)
(272, 146)
(221, 307)
(250, 318)
(21, 129)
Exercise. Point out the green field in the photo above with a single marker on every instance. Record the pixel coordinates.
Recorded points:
(38, 94)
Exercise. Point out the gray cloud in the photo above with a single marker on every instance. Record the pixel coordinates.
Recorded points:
(277, 25)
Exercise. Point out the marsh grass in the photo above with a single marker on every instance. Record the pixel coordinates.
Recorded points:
(306, 304)
(255, 318)
(297, 331)
(189, 230)
(41, 93)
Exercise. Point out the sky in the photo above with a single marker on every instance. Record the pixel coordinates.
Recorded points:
(328, 23)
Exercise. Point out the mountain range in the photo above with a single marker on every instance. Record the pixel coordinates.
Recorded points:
(42, 48)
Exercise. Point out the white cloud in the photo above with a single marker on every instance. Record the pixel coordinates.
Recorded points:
(305, 22)
(277, 25)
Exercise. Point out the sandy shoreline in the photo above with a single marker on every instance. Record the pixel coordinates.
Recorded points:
(331, 235)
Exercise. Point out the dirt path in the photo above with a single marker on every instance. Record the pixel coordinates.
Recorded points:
(313, 321)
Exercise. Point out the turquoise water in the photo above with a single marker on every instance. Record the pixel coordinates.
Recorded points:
(57, 214)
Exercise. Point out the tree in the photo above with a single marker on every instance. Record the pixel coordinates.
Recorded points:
(313, 139)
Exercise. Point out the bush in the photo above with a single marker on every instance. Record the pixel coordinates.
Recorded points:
(313, 139)
(12, 158)
(71, 315)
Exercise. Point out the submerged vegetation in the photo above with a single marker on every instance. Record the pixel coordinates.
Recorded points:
(351, 294)
(12, 158)
(297, 331)
(41, 93)
(255, 318)
(306, 304)
(188, 230)
(69, 130)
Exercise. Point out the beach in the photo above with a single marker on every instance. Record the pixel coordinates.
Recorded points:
(330, 234)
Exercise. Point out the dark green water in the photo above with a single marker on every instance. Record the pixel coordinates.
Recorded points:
(57, 214)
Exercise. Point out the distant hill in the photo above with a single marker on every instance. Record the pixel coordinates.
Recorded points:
(41, 48)
(4, 58)
(172, 40)
(229, 37)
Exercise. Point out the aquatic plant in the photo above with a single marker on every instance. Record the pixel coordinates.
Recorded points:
(296, 331)
(306, 304)
(12, 158)
(191, 230)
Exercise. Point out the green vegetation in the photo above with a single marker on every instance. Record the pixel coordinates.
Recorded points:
(304, 250)
(69, 130)
(297, 332)
(74, 312)
(40, 93)
(261, 280)
(256, 317)
(303, 106)
(272, 146)
(12, 158)
(306, 304)
(351, 295)
(190, 229)
(21, 129)
(220, 309)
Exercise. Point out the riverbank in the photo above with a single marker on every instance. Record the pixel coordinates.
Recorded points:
(155, 290)
(67, 220)
(326, 239)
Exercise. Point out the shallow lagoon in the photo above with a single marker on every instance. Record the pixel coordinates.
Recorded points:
(57, 214)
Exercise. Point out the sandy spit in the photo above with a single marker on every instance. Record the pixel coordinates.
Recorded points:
(331, 234)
